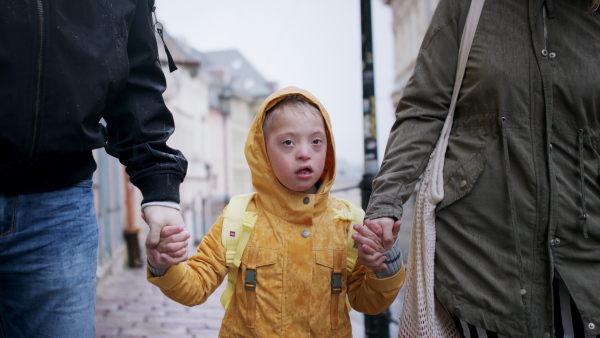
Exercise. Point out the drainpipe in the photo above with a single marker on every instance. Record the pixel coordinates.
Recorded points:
(130, 231)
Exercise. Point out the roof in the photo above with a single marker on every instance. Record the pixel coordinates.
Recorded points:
(182, 53)
(226, 68)
(244, 77)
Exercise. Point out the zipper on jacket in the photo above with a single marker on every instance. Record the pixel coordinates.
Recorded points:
(38, 94)
(159, 29)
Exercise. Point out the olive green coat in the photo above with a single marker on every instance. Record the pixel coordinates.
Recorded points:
(522, 183)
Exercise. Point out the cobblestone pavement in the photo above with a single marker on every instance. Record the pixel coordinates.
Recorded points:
(128, 306)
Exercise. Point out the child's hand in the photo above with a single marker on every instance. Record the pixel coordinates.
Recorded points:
(370, 248)
(370, 240)
(171, 248)
(386, 229)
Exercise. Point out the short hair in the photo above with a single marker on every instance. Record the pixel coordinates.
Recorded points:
(293, 100)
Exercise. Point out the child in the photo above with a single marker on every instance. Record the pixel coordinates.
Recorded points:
(297, 245)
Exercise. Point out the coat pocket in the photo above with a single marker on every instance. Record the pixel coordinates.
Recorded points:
(331, 283)
(462, 177)
(261, 285)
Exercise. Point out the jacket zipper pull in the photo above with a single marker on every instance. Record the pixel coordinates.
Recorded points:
(159, 30)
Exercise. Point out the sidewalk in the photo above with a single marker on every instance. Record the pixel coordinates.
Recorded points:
(128, 306)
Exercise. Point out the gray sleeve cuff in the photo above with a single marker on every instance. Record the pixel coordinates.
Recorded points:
(393, 260)
(162, 203)
(156, 272)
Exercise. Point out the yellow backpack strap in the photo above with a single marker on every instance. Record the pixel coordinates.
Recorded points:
(354, 214)
(237, 226)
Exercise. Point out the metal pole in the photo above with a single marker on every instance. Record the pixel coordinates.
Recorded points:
(376, 326)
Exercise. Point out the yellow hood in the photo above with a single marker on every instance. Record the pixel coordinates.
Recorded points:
(272, 195)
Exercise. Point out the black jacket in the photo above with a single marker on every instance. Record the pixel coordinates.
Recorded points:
(65, 65)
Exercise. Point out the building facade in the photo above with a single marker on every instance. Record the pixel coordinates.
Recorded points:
(411, 19)
(214, 98)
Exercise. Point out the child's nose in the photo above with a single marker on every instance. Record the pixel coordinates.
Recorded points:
(304, 152)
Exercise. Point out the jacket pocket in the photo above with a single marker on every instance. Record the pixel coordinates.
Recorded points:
(462, 177)
(261, 284)
(332, 283)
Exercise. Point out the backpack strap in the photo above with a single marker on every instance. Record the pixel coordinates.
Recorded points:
(237, 227)
(354, 214)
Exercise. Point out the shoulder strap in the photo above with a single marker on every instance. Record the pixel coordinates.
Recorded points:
(237, 227)
(436, 188)
(355, 214)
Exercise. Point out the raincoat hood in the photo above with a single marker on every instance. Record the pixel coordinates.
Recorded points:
(272, 195)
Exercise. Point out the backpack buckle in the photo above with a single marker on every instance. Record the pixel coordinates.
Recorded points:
(336, 282)
(250, 280)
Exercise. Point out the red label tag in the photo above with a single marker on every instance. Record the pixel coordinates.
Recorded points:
(231, 233)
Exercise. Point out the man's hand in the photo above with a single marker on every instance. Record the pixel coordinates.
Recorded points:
(171, 249)
(157, 216)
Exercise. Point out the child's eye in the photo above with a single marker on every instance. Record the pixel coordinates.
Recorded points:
(287, 142)
(317, 141)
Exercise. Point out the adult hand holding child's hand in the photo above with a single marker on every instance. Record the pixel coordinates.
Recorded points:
(166, 243)
(372, 241)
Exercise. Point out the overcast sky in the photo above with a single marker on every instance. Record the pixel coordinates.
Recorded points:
(312, 44)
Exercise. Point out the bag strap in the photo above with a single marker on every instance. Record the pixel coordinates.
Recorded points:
(355, 214)
(436, 188)
(237, 227)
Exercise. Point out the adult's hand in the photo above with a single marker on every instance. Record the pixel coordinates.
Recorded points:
(370, 248)
(386, 228)
(157, 217)
(171, 249)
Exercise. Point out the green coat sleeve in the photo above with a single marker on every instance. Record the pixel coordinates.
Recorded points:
(420, 114)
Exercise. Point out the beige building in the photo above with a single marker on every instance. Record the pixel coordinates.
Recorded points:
(411, 19)
(214, 98)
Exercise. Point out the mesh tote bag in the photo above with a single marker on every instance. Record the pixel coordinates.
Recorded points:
(422, 315)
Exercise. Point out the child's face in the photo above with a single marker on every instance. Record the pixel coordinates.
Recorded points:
(297, 146)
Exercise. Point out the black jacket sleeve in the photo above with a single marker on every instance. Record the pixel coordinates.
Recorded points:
(139, 123)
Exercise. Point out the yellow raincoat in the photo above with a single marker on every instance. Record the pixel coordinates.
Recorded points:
(293, 295)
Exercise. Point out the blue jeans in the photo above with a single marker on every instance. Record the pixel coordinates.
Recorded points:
(48, 258)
